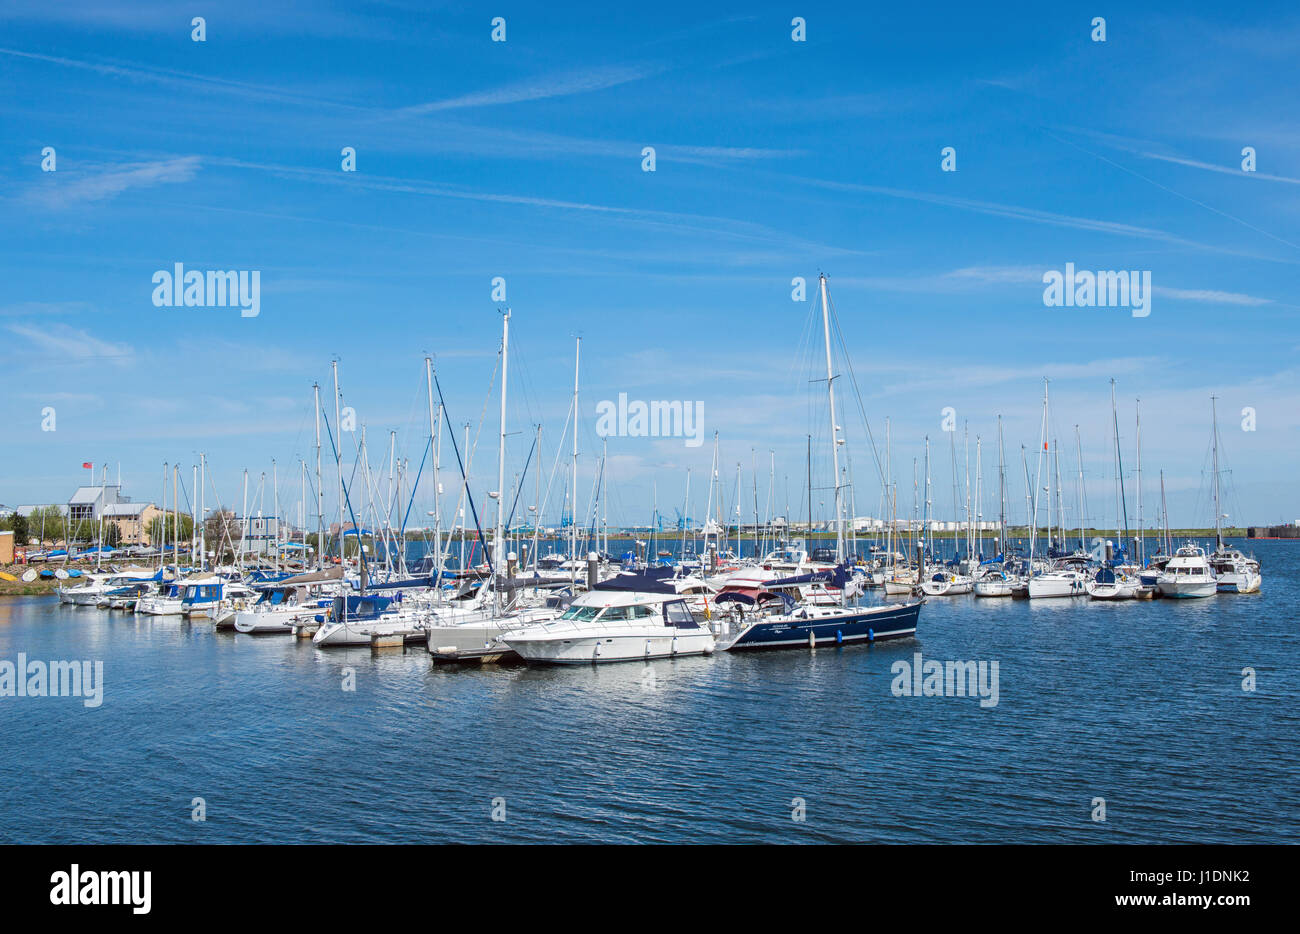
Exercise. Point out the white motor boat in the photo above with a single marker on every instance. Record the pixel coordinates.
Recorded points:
(1234, 572)
(1188, 574)
(613, 626)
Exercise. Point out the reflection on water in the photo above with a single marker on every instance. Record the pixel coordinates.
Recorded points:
(1137, 702)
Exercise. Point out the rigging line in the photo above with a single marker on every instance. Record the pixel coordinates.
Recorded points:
(465, 476)
(469, 454)
(520, 485)
(414, 487)
(356, 528)
(853, 379)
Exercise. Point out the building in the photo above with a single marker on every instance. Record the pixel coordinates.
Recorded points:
(132, 521)
(89, 501)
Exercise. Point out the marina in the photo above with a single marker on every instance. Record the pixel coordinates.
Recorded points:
(439, 425)
(1137, 701)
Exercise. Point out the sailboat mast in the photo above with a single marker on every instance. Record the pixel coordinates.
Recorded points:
(1038, 484)
(338, 455)
(573, 505)
(1164, 510)
(320, 490)
(835, 439)
(203, 512)
(1078, 454)
(435, 422)
(275, 482)
(498, 546)
(1002, 493)
(1218, 511)
(1141, 540)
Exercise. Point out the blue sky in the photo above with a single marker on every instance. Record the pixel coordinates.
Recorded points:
(775, 159)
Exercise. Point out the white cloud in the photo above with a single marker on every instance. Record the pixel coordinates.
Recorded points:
(58, 191)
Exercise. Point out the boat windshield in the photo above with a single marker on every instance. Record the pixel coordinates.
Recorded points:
(582, 614)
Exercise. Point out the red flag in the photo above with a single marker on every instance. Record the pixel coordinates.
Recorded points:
(88, 466)
(1044, 445)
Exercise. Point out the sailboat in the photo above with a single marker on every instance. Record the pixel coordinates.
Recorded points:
(767, 620)
(1234, 571)
(471, 633)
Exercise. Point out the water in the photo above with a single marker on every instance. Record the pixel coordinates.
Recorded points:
(1138, 703)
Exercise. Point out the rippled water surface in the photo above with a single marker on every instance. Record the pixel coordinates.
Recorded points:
(1137, 703)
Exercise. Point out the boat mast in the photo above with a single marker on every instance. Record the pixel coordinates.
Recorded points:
(970, 529)
(1078, 454)
(203, 512)
(320, 490)
(1060, 493)
(176, 514)
(162, 520)
(1141, 541)
(573, 505)
(979, 514)
(927, 519)
(498, 545)
(1038, 485)
(435, 423)
(686, 517)
(537, 497)
(1121, 512)
(1002, 493)
(835, 439)
(103, 507)
(1218, 529)
(243, 538)
(275, 499)
(338, 456)
(889, 471)
(1164, 509)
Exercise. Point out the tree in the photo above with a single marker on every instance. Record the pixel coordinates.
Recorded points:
(46, 523)
(161, 528)
(222, 532)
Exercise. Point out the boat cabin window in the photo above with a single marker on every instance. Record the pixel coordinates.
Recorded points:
(581, 614)
(641, 611)
(676, 614)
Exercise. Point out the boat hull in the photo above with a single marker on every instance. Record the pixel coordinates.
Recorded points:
(993, 588)
(864, 624)
(600, 648)
(1045, 587)
(1188, 588)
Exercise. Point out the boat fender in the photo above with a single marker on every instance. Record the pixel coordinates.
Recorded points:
(839, 637)
(812, 640)
(871, 635)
